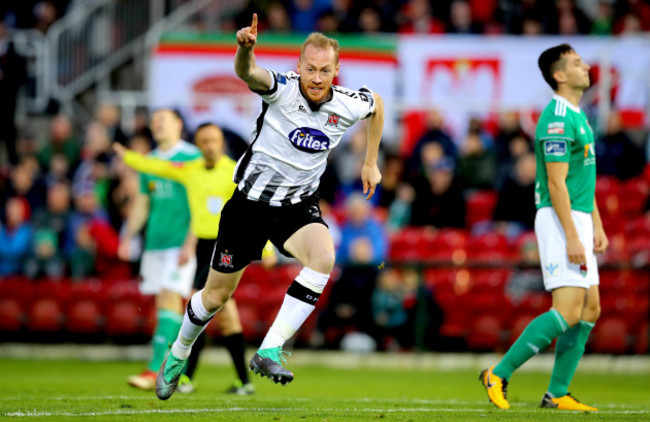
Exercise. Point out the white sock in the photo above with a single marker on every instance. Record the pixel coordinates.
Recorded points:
(189, 331)
(294, 312)
(292, 315)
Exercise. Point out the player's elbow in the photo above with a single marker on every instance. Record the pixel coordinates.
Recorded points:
(556, 185)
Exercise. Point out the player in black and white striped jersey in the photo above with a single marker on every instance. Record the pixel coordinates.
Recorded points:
(293, 138)
(303, 117)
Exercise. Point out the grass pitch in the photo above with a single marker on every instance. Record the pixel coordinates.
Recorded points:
(78, 391)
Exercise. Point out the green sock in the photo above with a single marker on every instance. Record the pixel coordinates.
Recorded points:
(166, 332)
(536, 337)
(569, 349)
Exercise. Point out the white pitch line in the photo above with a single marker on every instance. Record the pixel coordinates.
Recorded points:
(361, 400)
(240, 409)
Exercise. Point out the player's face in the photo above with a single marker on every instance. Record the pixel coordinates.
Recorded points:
(575, 71)
(210, 141)
(317, 68)
(166, 126)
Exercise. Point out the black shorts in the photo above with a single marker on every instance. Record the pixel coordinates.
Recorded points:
(247, 225)
(204, 249)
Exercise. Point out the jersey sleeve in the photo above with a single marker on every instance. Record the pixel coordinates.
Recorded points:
(144, 184)
(366, 103)
(555, 133)
(281, 84)
(162, 168)
(361, 103)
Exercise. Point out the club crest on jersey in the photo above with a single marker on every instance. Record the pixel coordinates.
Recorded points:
(226, 260)
(309, 140)
(332, 120)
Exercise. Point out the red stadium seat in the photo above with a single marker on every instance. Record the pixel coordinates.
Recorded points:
(254, 327)
(123, 318)
(83, 317)
(256, 274)
(456, 317)
(412, 243)
(11, 315)
(450, 246)
(149, 322)
(480, 206)
(57, 290)
(45, 316)
(610, 336)
(492, 281)
(485, 333)
(91, 290)
(607, 192)
(518, 326)
(493, 303)
(641, 345)
(284, 275)
(19, 288)
(119, 291)
(633, 196)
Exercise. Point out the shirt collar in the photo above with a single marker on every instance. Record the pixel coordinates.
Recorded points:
(560, 98)
(166, 155)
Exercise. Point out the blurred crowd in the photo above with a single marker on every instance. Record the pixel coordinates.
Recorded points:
(66, 197)
(527, 17)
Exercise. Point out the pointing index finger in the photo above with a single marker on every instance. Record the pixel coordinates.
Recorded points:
(254, 24)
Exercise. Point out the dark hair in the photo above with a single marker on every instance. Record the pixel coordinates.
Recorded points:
(174, 111)
(549, 60)
(204, 125)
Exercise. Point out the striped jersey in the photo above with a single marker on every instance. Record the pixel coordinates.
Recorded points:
(564, 135)
(293, 138)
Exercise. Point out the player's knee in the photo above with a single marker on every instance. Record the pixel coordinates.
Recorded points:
(322, 261)
(213, 299)
(572, 318)
(591, 312)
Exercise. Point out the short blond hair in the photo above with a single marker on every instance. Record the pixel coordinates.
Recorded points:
(320, 40)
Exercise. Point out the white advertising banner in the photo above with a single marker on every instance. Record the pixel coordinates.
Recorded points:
(482, 73)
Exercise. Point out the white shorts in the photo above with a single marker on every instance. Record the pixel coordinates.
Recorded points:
(557, 270)
(159, 270)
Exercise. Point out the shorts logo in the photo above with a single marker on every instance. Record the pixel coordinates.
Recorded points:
(332, 120)
(314, 211)
(550, 268)
(555, 148)
(583, 270)
(309, 140)
(226, 260)
(556, 128)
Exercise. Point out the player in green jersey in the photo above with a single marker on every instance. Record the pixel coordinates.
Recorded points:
(569, 231)
(168, 266)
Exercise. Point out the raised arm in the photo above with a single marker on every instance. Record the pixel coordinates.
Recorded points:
(370, 174)
(256, 77)
(150, 165)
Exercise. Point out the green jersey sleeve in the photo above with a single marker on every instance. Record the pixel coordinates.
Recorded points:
(555, 133)
(144, 183)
